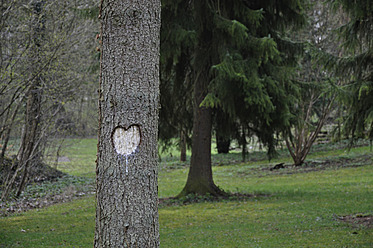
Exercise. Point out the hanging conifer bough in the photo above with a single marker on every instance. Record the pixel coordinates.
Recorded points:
(355, 66)
(242, 63)
(176, 86)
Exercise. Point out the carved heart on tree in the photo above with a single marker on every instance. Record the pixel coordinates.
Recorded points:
(126, 141)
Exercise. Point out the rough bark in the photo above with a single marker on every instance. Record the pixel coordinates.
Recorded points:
(200, 180)
(127, 200)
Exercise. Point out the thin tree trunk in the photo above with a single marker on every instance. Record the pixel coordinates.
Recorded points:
(127, 197)
(182, 146)
(300, 150)
(29, 145)
(244, 144)
(7, 133)
(28, 151)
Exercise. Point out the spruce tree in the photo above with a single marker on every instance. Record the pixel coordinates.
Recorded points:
(176, 85)
(241, 64)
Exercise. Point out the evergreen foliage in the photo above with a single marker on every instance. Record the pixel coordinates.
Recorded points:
(355, 65)
(241, 63)
(176, 85)
(251, 79)
(251, 68)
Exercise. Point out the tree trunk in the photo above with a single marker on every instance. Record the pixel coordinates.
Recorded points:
(28, 153)
(182, 146)
(223, 130)
(305, 139)
(6, 135)
(222, 144)
(244, 144)
(29, 146)
(127, 197)
(200, 179)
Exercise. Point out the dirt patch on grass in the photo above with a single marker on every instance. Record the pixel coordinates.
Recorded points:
(318, 165)
(23, 204)
(38, 173)
(341, 162)
(358, 220)
(47, 188)
(192, 198)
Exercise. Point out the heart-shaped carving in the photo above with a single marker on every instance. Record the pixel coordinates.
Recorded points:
(126, 141)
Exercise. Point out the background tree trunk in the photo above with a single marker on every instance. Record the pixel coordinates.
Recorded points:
(127, 200)
(200, 179)
(28, 154)
(243, 143)
(183, 146)
(224, 130)
(222, 144)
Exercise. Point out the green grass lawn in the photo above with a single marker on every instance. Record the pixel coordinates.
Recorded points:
(292, 208)
(82, 154)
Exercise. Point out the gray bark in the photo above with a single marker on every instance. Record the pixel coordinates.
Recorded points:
(127, 197)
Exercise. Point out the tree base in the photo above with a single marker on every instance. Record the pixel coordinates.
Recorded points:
(201, 189)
